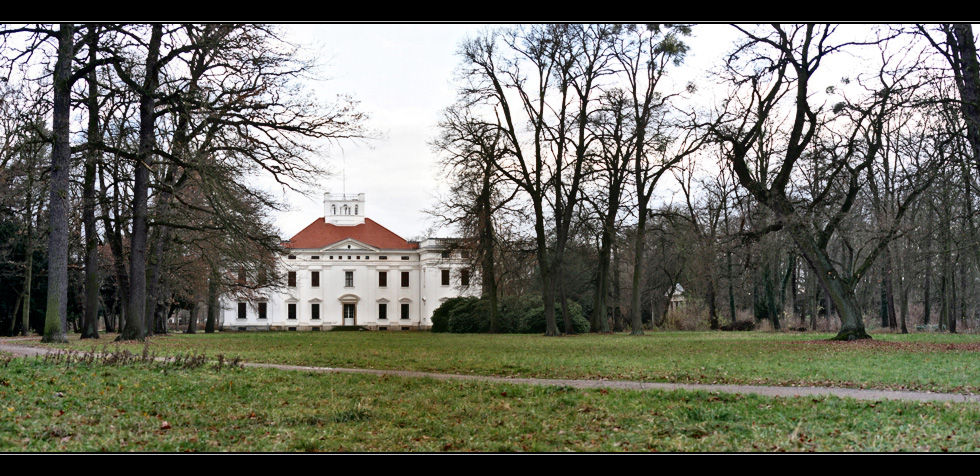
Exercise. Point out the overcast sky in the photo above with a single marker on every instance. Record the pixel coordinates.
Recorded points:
(403, 77)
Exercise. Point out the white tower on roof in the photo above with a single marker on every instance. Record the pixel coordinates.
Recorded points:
(343, 209)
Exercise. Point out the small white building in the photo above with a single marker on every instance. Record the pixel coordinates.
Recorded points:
(347, 270)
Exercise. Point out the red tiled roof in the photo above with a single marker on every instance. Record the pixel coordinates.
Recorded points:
(320, 234)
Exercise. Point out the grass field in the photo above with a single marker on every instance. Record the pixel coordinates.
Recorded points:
(62, 406)
(932, 362)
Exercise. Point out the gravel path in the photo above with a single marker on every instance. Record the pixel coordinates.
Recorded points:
(859, 394)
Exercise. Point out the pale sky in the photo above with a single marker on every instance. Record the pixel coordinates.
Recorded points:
(403, 77)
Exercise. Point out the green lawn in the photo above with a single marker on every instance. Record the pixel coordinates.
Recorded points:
(934, 362)
(137, 407)
(50, 405)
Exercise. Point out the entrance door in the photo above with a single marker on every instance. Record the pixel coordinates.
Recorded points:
(349, 315)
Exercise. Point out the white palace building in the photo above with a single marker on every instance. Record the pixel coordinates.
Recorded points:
(346, 270)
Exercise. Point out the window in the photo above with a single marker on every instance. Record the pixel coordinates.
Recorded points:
(292, 311)
(263, 277)
(315, 279)
(446, 254)
(404, 279)
(382, 257)
(331, 257)
(404, 311)
(292, 279)
(358, 257)
(349, 279)
(382, 279)
(241, 275)
(292, 256)
(315, 311)
(445, 277)
(262, 310)
(405, 258)
(241, 310)
(465, 254)
(464, 277)
(314, 257)
(382, 311)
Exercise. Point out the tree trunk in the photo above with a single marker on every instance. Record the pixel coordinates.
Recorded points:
(904, 308)
(731, 289)
(213, 301)
(194, 315)
(163, 326)
(601, 289)
(13, 315)
(636, 320)
(926, 298)
(712, 309)
(109, 316)
(90, 316)
(890, 289)
(565, 314)
(56, 311)
(883, 312)
(617, 290)
(966, 69)
(25, 327)
(841, 293)
(134, 328)
(486, 248)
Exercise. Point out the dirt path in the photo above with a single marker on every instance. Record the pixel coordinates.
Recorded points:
(858, 394)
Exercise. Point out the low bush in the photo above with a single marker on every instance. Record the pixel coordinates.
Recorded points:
(739, 326)
(518, 315)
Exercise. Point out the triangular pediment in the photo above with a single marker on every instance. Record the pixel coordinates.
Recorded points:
(349, 244)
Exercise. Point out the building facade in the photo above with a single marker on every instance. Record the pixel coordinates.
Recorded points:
(347, 270)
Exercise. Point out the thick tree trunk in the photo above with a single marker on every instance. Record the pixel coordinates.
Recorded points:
(193, 317)
(56, 311)
(966, 70)
(134, 328)
(90, 316)
(841, 293)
